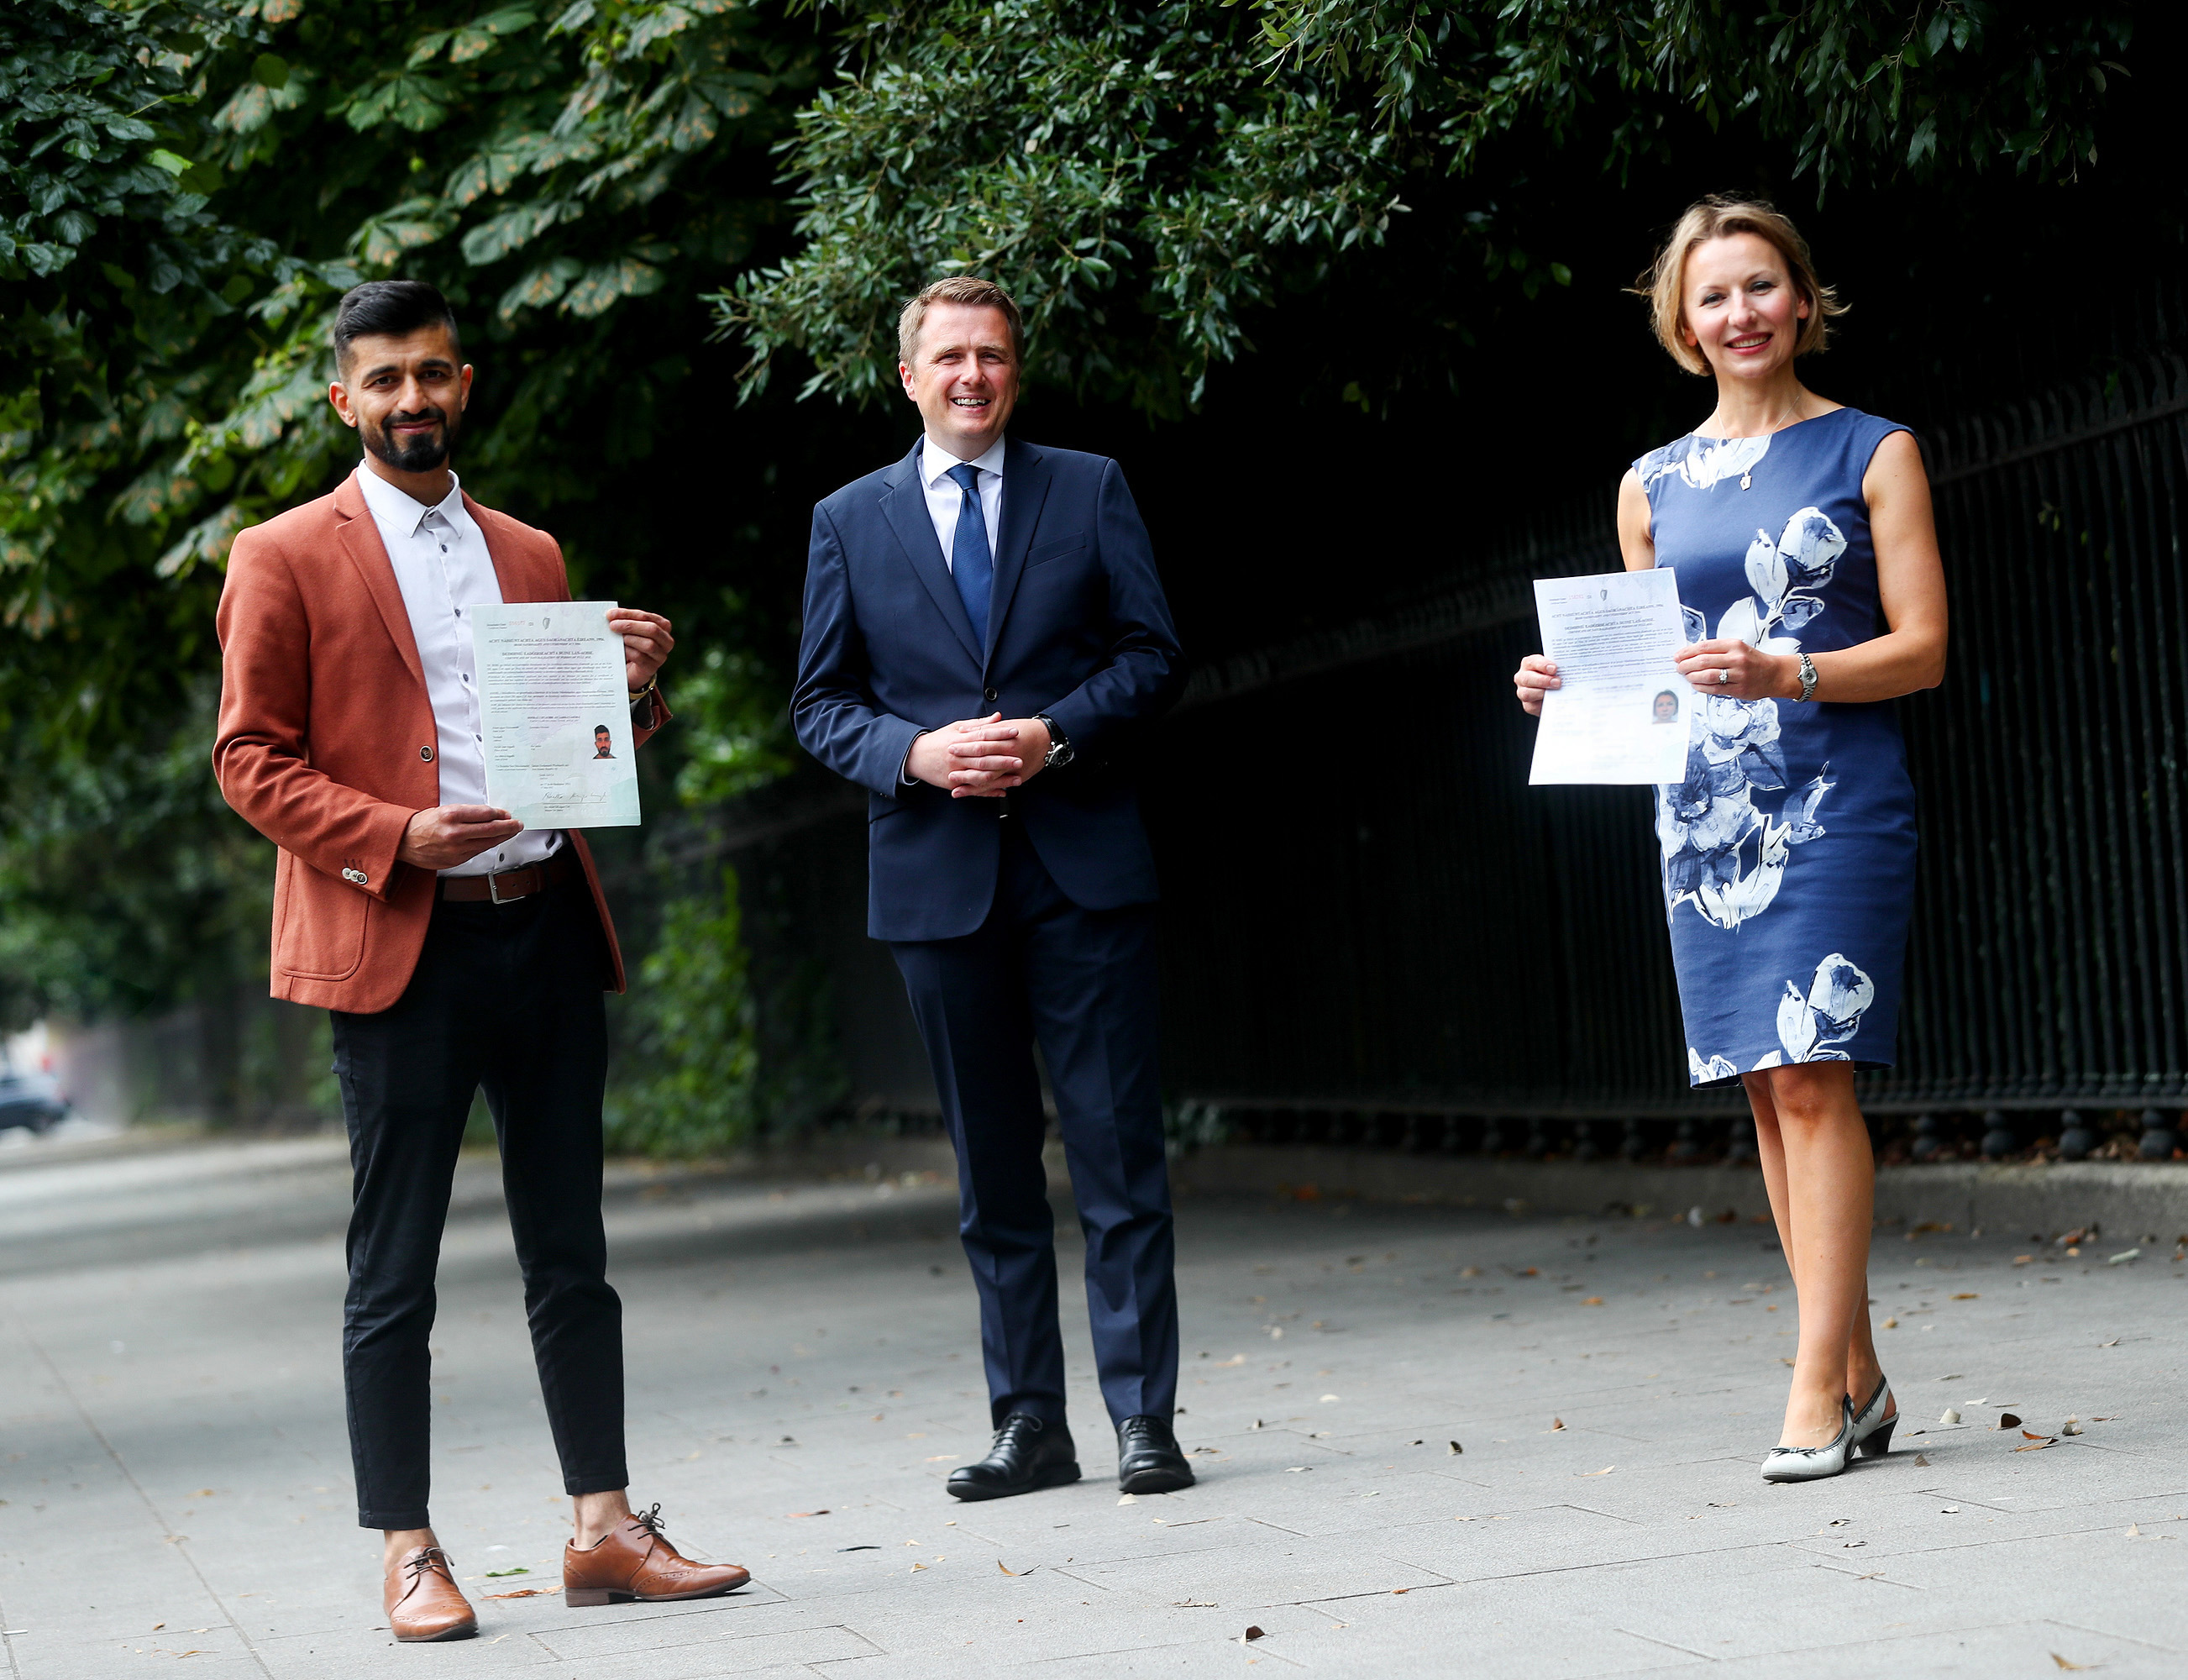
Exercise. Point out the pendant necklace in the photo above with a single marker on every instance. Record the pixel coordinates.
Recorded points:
(1747, 477)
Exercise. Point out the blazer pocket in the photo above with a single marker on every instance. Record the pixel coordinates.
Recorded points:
(322, 931)
(1055, 550)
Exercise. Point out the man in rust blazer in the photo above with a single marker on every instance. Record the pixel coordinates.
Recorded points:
(456, 949)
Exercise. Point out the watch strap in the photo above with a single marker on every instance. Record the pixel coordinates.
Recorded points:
(1059, 744)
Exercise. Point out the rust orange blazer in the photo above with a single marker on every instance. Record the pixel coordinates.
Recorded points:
(326, 739)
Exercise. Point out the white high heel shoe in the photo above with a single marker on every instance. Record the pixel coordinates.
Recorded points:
(1872, 1430)
(1814, 1463)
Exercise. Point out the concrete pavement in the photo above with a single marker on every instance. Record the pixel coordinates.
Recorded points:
(804, 1371)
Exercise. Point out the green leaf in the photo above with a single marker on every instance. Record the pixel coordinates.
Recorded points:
(269, 70)
(608, 282)
(161, 158)
(540, 287)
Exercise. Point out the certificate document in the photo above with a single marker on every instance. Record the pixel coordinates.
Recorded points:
(556, 711)
(1623, 711)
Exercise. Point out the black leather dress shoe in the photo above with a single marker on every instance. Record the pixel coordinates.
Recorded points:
(1147, 1459)
(1028, 1454)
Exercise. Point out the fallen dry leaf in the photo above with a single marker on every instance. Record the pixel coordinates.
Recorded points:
(1192, 1603)
(1892, 1324)
(1948, 1416)
(2070, 1427)
(2036, 1443)
(937, 1458)
(2024, 1260)
(822, 1512)
(1605, 1471)
(1557, 1423)
(1006, 1569)
(2077, 1666)
(525, 1592)
(1251, 1633)
(1921, 1461)
(2134, 1530)
(2008, 1421)
(2111, 1343)
(1235, 1359)
(1456, 1449)
(1593, 1301)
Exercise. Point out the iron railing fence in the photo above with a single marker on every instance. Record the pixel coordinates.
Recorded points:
(1376, 931)
(1372, 915)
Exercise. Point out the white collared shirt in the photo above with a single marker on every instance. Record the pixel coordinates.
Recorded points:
(443, 568)
(945, 498)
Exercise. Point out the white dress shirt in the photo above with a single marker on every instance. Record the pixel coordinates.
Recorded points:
(945, 498)
(443, 568)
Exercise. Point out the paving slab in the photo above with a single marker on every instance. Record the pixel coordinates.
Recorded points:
(804, 1372)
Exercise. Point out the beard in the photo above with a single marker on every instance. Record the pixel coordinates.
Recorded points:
(423, 454)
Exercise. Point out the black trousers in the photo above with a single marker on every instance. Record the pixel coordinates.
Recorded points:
(1083, 982)
(506, 997)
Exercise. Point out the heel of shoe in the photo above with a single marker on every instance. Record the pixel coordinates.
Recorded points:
(584, 1598)
(1880, 1438)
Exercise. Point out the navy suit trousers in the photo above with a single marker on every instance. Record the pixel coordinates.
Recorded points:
(1082, 982)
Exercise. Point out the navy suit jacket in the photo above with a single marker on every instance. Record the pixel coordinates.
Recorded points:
(1077, 628)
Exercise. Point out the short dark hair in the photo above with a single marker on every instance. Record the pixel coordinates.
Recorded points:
(393, 307)
(602, 729)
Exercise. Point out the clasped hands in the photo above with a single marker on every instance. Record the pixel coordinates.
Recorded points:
(1722, 665)
(980, 758)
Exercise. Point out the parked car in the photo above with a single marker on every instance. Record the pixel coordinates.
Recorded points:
(31, 1100)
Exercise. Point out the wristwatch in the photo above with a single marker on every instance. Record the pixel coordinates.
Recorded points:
(1059, 744)
(1808, 678)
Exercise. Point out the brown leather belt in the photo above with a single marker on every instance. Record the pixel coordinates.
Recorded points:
(509, 885)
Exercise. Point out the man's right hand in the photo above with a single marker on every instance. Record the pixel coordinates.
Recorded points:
(448, 835)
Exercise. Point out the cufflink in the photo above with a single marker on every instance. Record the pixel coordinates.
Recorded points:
(426, 754)
(354, 874)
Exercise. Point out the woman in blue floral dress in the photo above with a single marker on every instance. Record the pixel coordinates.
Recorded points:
(1808, 565)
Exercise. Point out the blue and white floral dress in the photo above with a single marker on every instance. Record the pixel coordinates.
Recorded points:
(1789, 850)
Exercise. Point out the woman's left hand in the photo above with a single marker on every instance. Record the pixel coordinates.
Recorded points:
(1739, 671)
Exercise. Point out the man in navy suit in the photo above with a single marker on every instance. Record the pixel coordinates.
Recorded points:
(985, 637)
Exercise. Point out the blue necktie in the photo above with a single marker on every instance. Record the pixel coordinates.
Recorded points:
(970, 562)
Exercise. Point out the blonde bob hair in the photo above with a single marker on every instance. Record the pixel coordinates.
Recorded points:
(968, 289)
(1713, 218)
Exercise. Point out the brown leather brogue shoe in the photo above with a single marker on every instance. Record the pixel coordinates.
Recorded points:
(423, 1602)
(635, 1561)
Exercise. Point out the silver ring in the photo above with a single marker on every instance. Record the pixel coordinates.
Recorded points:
(1724, 673)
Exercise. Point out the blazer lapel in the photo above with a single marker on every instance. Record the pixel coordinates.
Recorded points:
(905, 507)
(360, 540)
(1025, 487)
(509, 574)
